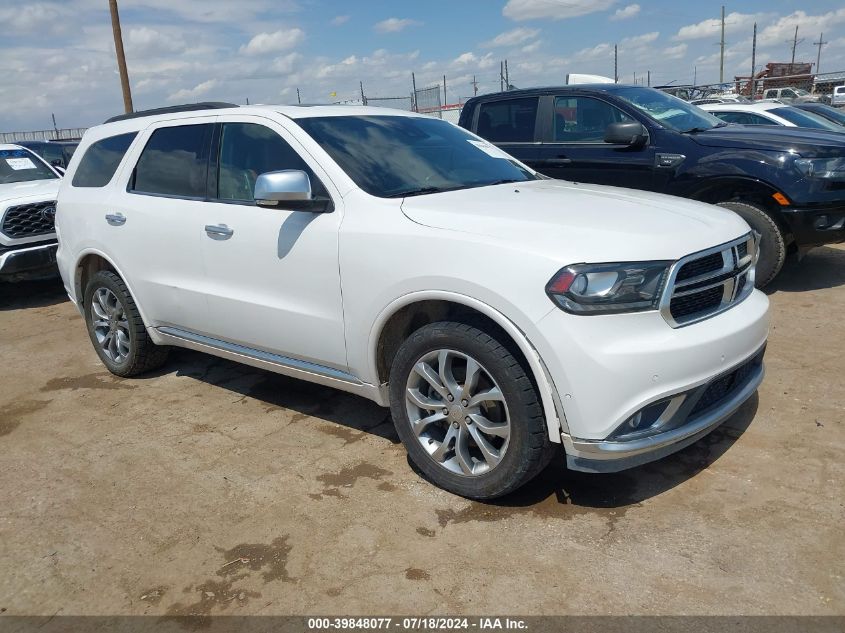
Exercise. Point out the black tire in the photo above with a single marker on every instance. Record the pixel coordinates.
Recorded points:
(143, 355)
(772, 241)
(529, 449)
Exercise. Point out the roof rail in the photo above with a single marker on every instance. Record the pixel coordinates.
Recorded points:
(188, 107)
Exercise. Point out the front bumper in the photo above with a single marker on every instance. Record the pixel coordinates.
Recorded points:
(28, 261)
(693, 414)
(817, 224)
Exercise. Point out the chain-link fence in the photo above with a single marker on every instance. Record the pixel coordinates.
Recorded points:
(399, 103)
(67, 134)
(428, 100)
(777, 81)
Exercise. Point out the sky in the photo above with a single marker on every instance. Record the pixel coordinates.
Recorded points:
(57, 56)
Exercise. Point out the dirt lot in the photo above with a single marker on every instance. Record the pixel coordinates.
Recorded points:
(211, 487)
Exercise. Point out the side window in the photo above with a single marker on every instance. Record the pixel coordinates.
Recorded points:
(584, 119)
(730, 117)
(756, 119)
(101, 159)
(508, 120)
(174, 162)
(248, 150)
(771, 94)
(789, 93)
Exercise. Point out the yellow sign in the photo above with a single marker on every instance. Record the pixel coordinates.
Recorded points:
(332, 94)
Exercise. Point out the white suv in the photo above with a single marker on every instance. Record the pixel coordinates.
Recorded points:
(500, 314)
(28, 188)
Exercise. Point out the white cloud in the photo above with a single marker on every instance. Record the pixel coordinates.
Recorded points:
(520, 10)
(147, 41)
(280, 40)
(674, 52)
(394, 25)
(512, 38)
(712, 27)
(784, 28)
(533, 47)
(639, 40)
(193, 93)
(339, 19)
(286, 64)
(626, 13)
(465, 58)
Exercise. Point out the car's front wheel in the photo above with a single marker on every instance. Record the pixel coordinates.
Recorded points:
(116, 328)
(467, 411)
(772, 241)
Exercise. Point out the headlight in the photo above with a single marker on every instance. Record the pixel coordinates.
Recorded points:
(608, 288)
(828, 168)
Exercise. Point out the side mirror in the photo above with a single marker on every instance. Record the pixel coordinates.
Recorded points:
(290, 189)
(630, 133)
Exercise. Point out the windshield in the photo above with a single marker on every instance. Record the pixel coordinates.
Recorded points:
(395, 156)
(668, 110)
(21, 165)
(829, 113)
(802, 118)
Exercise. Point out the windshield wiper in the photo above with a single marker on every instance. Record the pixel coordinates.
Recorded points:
(696, 130)
(419, 191)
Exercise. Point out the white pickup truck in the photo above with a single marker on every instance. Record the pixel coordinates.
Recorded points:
(501, 315)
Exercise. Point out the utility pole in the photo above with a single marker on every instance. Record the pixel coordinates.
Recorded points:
(55, 127)
(474, 86)
(752, 92)
(298, 99)
(363, 98)
(501, 76)
(820, 43)
(649, 79)
(722, 50)
(615, 64)
(694, 75)
(794, 46)
(121, 57)
(414, 86)
(444, 90)
(635, 77)
(507, 77)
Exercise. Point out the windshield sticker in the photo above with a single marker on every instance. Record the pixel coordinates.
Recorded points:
(489, 149)
(20, 163)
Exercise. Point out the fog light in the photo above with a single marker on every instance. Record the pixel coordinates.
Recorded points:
(821, 222)
(642, 421)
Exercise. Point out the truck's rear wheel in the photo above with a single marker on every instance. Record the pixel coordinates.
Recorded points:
(772, 241)
(467, 412)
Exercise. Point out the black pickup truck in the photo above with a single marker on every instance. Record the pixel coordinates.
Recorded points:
(787, 183)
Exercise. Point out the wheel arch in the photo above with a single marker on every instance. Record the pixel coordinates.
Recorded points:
(412, 311)
(90, 262)
(743, 189)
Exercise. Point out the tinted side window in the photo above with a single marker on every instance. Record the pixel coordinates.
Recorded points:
(584, 119)
(248, 150)
(175, 162)
(510, 120)
(101, 160)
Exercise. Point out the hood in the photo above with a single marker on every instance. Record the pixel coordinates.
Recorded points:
(803, 141)
(37, 189)
(574, 223)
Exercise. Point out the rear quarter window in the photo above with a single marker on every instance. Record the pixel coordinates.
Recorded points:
(101, 159)
(508, 120)
(175, 162)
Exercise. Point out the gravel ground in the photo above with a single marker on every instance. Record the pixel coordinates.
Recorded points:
(210, 487)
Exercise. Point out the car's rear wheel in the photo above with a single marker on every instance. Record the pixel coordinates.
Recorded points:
(116, 328)
(467, 411)
(772, 241)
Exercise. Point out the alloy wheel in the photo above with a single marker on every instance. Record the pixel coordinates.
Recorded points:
(111, 326)
(457, 412)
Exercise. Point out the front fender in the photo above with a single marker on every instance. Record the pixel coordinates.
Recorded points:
(552, 408)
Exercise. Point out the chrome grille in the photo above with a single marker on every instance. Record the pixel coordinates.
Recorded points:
(29, 220)
(707, 283)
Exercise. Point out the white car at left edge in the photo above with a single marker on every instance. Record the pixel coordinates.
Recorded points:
(28, 188)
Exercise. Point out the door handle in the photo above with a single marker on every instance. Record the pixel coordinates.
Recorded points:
(218, 230)
(116, 219)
